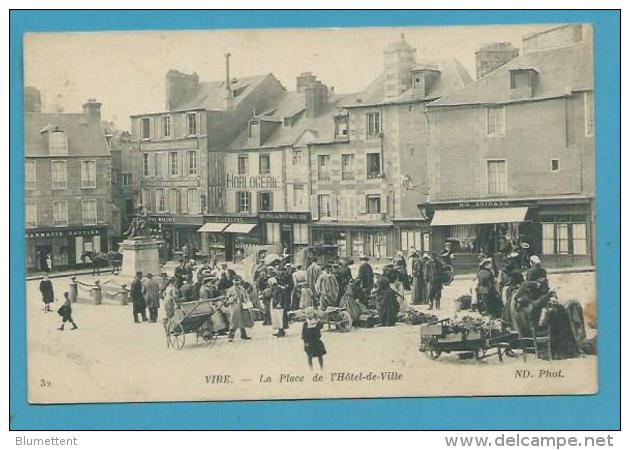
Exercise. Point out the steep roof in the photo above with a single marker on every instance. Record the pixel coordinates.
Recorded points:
(210, 94)
(453, 76)
(560, 72)
(291, 104)
(85, 136)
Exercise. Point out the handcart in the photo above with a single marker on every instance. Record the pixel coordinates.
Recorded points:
(333, 315)
(192, 317)
(442, 337)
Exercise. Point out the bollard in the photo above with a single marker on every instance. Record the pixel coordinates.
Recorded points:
(123, 295)
(73, 291)
(97, 295)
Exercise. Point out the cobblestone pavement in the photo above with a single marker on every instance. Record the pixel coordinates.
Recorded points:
(109, 358)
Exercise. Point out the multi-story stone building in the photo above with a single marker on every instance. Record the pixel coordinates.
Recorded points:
(67, 185)
(369, 178)
(511, 156)
(268, 174)
(180, 149)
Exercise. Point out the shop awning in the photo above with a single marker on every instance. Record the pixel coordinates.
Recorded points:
(240, 228)
(212, 227)
(475, 216)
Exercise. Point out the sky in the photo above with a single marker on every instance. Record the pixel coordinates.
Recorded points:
(125, 70)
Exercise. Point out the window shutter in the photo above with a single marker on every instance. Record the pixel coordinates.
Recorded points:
(270, 201)
(314, 208)
(184, 171)
(164, 158)
(152, 203)
(334, 210)
(362, 201)
(385, 207)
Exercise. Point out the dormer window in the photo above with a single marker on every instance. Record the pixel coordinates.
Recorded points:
(341, 127)
(253, 128)
(522, 82)
(57, 143)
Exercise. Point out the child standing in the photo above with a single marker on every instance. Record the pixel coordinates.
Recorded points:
(312, 337)
(65, 311)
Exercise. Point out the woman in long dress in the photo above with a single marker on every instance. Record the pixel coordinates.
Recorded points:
(388, 306)
(354, 300)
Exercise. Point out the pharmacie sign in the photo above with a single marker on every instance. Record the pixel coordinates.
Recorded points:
(61, 233)
(233, 181)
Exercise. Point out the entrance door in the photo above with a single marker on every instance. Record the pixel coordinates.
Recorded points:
(229, 247)
(40, 261)
(286, 237)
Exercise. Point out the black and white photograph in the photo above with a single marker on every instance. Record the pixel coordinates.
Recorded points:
(310, 213)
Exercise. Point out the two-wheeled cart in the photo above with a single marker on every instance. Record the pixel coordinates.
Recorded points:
(444, 337)
(192, 318)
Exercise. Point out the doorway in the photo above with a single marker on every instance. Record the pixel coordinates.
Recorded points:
(40, 261)
(286, 237)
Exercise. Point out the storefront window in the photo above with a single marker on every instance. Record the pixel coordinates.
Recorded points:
(272, 233)
(377, 247)
(357, 244)
(410, 240)
(300, 233)
(564, 239)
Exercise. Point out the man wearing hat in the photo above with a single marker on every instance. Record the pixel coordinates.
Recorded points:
(136, 292)
(152, 295)
(327, 288)
(208, 289)
(432, 274)
(366, 275)
(240, 316)
(279, 316)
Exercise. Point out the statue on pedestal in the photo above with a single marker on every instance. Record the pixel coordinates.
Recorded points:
(139, 227)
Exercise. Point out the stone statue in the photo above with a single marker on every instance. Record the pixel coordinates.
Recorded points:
(139, 227)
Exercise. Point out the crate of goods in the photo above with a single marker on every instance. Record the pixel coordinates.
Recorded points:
(366, 321)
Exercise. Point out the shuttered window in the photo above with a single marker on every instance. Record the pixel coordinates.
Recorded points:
(497, 176)
(59, 175)
(495, 121)
(88, 174)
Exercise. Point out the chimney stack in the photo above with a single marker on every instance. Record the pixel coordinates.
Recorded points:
(228, 98)
(316, 98)
(303, 80)
(92, 109)
(32, 99)
(180, 87)
(491, 56)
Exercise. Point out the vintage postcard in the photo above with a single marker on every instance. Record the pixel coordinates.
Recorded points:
(310, 213)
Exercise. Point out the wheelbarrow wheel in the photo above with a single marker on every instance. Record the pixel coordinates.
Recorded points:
(345, 321)
(434, 354)
(176, 335)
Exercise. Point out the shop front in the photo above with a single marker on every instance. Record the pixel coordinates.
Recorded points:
(62, 248)
(558, 230)
(175, 232)
(289, 231)
(412, 234)
(373, 240)
(229, 237)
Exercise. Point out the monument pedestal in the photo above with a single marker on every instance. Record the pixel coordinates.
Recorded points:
(140, 254)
